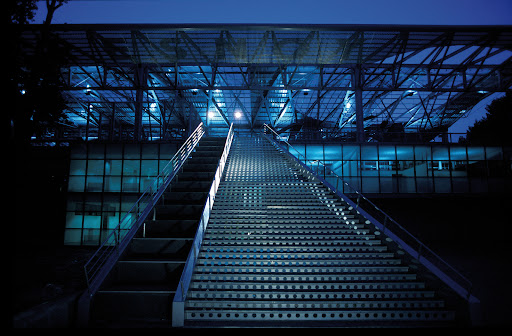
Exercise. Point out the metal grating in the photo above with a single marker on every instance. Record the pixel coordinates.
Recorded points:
(282, 250)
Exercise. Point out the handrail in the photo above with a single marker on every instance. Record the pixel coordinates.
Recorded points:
(102, 261)
(371, 136)
(383, 221)
(178, 310)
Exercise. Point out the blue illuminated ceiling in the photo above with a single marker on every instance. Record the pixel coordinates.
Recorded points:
(163, 77)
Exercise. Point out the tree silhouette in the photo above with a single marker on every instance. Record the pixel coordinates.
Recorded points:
(34, 83)
(495, 127)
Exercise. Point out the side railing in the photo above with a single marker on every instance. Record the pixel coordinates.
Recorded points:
(101, 262)
(374, 215)
(178, 306)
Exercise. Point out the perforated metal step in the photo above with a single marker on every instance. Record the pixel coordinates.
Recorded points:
(281, 250)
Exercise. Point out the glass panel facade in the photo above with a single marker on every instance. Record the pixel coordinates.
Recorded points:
(408, 169)
(105, 180)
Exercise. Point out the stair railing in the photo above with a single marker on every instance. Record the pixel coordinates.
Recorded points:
(178, 305)
(316, 170)
(102, 261)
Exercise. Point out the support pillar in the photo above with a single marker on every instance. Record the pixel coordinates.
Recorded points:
(141, 78)
(358, 87)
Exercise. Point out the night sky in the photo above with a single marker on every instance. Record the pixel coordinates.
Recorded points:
(415, 12)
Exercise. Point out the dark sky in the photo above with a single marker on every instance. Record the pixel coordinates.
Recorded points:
(421, 12)
(443, 12)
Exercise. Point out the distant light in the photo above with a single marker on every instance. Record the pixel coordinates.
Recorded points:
(348, 105)
(238, 115)
(483, 92)
(211, 114)
(23, 92)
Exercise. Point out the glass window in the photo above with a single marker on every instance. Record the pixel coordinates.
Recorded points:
(94, 183)
(96, 151)
(131, 167)
(406, 168)
(92, 222)
(370, 185)
(163, 164)
(130, 184)
(424, 185)
(440, 153)
(95, 167)
(404, 153)
(145, 183)
(72, 236)
(167, 151)
(369, 152)
(127, 201)
(350, 168)
(351, 152)
(91, 237)
(354, 182)
(493, 153)
(422, 152)
(387, 153)
(388, 184)
(76, 183)
(77, 167)
(73, 220)
(110, 220)
(332, 152)
(79, 152)
(150, 151)
(476, 153)
(406, 185)
(149, 168)
(114, 151)
(457, 153)
(113, 167)
(313, 152)
(111, 203)
(113, 183)
(442, 185)
(132, 151)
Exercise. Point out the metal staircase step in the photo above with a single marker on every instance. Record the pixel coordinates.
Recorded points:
(140, 288)
(281, 249)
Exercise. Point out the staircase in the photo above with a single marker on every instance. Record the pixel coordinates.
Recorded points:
(280, 250)
(140, 288)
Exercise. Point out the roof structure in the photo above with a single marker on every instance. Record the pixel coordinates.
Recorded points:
(156, 80)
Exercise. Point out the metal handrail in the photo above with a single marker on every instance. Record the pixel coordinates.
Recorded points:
(383, 221)
(371, 136)
(101, 262)
(178, 316)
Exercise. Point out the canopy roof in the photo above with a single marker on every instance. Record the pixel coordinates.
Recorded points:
(158, 79)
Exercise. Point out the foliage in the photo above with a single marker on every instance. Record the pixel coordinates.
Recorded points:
(495, 127)
(34, 81)
(21, 11)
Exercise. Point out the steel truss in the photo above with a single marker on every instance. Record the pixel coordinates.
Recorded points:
(155, 81)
